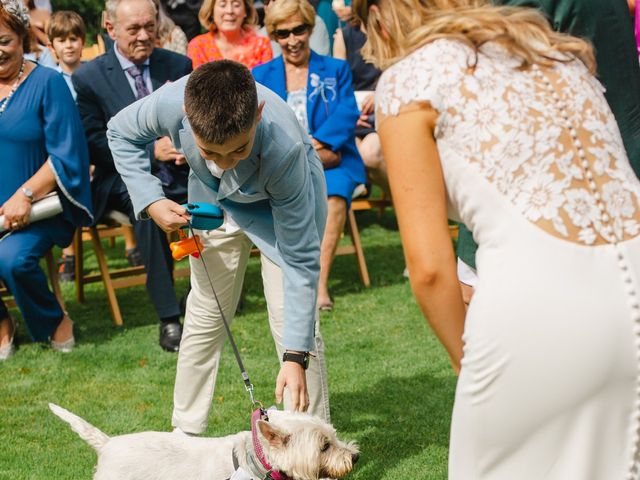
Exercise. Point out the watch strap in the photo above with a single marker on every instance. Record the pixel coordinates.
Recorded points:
(27, 192)
(301, 359)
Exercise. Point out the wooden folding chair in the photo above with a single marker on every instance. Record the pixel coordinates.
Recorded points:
(92, 51)
(360, 204)
(112, 279)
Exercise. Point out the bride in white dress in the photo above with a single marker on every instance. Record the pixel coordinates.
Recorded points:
(489, 117)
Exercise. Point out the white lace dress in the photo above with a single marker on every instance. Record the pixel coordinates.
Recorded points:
(534, 165)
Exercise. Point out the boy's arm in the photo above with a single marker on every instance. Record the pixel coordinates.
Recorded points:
(299, 213)
(129, 133)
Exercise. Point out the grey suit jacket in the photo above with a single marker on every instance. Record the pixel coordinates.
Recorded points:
(277, 195)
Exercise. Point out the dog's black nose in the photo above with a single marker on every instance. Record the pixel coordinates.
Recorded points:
(355, 457)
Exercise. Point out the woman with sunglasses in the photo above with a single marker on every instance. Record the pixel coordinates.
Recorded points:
(319, 39)
(319, 91)
(231, 35)
(486, 114)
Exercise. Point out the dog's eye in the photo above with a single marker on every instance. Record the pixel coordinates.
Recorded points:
(325, 447)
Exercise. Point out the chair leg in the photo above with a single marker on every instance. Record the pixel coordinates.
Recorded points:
(78, 248)
(54, 279)
(106, 277)
(355, 239)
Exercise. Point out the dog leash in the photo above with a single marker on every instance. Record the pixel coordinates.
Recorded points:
(243, 371)
(259, 412)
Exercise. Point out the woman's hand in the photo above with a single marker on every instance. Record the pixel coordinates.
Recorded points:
(16, 211)
(368, 104)
(344, 13)
(328, 157)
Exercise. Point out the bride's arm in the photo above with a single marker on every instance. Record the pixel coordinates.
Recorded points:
(419, 197)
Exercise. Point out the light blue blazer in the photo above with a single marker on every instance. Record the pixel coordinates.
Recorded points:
(277, 195)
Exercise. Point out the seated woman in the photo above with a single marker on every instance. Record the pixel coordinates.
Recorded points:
(318, 89)
(232, 34)
(170, 36)
(43, 149)
(348, 42)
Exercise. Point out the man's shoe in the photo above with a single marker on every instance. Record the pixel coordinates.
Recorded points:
(170, 335)
(134, 257)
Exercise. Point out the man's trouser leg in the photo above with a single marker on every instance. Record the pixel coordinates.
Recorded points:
(203, 336)
(317, 386)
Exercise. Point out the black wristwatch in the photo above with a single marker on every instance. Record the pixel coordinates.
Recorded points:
(301, 359)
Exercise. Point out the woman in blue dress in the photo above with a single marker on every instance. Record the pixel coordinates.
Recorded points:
(319, 91)
(42, 149)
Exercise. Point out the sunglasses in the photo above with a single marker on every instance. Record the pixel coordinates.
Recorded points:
(297, 31)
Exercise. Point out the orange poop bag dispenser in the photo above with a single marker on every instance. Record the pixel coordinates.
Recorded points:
(186, 246)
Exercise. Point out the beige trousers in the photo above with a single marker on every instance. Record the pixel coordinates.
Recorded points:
(204, 335)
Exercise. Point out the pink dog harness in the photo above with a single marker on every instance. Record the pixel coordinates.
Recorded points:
(261, 414)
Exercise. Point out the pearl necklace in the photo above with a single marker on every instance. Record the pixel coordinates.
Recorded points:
(13, 89)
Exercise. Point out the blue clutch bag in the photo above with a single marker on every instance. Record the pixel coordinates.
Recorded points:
(204, 216)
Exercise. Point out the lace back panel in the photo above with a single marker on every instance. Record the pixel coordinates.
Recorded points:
(545, 138)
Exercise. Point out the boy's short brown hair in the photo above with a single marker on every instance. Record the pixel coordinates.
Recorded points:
(64, 23)
(221, 101)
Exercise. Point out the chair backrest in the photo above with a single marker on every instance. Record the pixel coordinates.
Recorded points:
(92, 51)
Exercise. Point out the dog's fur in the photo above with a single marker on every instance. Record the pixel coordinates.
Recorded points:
(300, 445)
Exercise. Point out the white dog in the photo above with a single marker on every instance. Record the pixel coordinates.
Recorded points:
(290, 445)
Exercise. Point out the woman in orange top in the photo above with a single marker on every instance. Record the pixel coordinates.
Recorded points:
(231, 34)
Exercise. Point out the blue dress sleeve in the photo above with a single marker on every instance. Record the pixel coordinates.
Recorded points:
(339, 126)
(67, 150)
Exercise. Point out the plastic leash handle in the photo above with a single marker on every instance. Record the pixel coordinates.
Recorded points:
(204, 216)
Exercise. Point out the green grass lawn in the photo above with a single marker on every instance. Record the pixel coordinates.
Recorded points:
(390, 383)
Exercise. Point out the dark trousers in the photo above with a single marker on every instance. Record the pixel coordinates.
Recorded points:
(156, 256)
(20, 254)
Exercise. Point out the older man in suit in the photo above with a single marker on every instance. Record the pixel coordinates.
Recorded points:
(609, 27)
(249, 155)
(129, 71)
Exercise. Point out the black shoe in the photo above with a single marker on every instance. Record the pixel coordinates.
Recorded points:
(170, 335)
(67, 268)
(133, 256)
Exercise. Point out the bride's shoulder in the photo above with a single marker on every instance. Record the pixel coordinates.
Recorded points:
(421, 75)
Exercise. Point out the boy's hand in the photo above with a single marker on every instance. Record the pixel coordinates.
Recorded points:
(168, 215)
(293, 377)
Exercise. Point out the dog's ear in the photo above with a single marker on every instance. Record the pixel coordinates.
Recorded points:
(276, 437)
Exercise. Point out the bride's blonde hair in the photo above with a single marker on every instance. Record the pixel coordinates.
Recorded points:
(396, 28)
